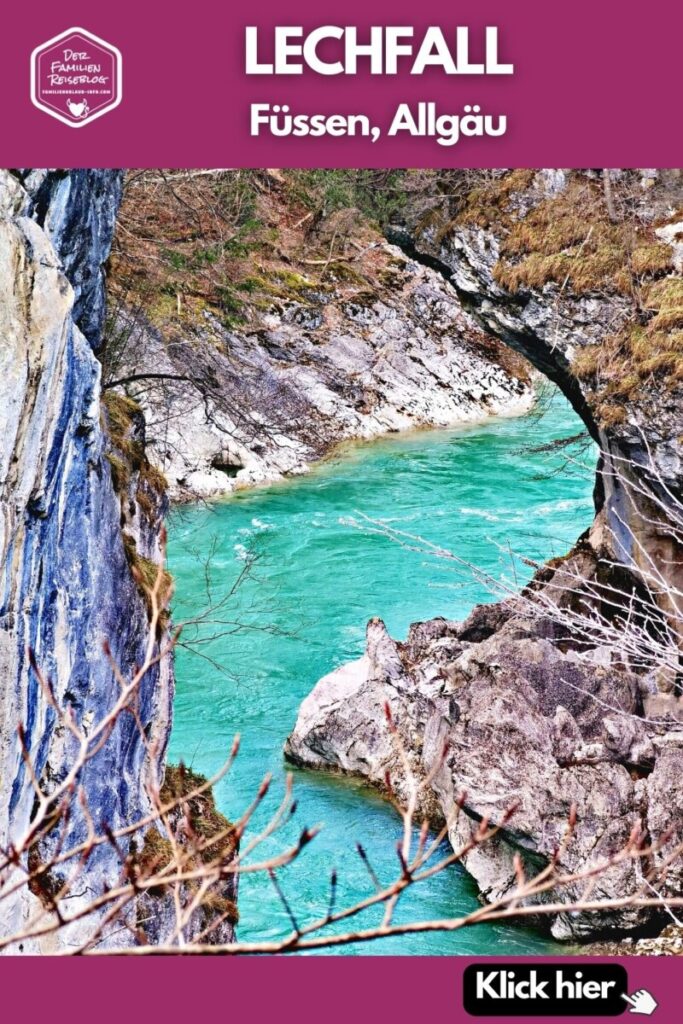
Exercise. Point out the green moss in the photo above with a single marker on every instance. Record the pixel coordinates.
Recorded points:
(176, 259)
(251, 284)
(291, 281)
(161, 308)
(230, 304)
(345, 273)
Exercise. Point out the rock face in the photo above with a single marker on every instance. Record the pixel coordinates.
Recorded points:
(523, 723)
(77, 210)
(373, 344)
(555, 325)
(65, 576)
(323, 371)
(528, 714)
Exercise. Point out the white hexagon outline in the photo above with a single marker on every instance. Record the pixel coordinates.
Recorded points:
(96, 39)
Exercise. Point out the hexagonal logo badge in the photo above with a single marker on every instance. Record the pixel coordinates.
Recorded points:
(76, 77)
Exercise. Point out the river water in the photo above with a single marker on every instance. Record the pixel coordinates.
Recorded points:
(301, 610)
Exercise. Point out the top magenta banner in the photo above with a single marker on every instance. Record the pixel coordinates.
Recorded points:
(369, 83)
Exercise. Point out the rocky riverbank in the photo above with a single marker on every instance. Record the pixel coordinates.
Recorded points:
(329, 334)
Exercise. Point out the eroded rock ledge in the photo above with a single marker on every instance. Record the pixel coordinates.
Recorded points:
(526, 720)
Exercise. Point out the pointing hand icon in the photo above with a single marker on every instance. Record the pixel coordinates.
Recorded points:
(642, 1002)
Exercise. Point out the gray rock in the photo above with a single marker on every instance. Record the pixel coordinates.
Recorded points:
(521, 725)
(316, 373)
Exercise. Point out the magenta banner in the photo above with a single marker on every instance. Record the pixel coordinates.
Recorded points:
(335, 990)
(555, 85)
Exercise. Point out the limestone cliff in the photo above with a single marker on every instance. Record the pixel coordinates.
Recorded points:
(70, 528)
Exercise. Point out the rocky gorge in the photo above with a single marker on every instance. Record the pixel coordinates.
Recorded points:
(252, 321)
(541, 701)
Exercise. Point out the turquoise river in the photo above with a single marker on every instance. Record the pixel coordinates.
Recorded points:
(301, 610)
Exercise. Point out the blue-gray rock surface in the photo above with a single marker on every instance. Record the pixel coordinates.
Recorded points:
(65, 578)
